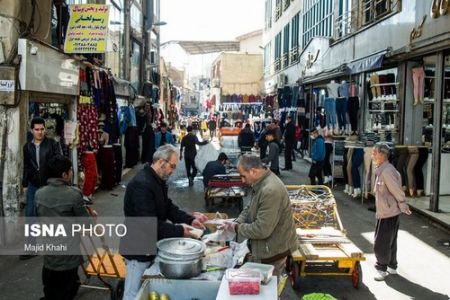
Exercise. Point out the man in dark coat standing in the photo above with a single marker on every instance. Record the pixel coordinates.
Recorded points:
(36, 154)
(289, 141)
(147, 196)
(189, 143)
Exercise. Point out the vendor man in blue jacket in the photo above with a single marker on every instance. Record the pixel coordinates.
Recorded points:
(215, 167)
(147, 196)
(317, 156)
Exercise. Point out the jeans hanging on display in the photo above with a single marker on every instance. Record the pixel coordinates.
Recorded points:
(327, 169)
(369, 170)
(357, 159)
(131, 147)
(344, 166)
(107, 167)
(418, 75)
(353, 108)
(401, 159)
(341, 111)
(148, 144)
(89, 164)
(412, 160)
(330, 111)
(418, 168)
(349, 166)
(118, 163)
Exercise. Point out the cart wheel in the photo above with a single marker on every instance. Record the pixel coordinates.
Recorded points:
(295, 275)
(357, 275)
(117, 290)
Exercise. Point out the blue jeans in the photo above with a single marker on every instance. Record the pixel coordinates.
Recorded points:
(135, 270)
(341, 110)
(30, 209)
(330, 111)
(357, 159)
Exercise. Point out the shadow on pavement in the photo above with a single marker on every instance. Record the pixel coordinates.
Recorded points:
(415, 291)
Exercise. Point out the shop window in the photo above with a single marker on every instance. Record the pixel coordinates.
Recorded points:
(286, 46)
(294, 39)
(446, 106)
(115, 46)
(135, 65)
(268, 15)
(136, 17)
(277, 57)
(382, 114)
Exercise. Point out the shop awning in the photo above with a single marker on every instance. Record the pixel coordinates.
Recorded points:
(371, 62)
(204, 47)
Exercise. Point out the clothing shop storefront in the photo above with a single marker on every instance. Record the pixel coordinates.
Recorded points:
(49, 83)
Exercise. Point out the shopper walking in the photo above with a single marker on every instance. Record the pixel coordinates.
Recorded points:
(147, 196)
(163, 137)
(317, 156)
(60, 199)
(390, 203)
(148, 134)
(189, 143)
(289, 142)
(212, 126)
(327, 168)
(274, 152)
(246, 139)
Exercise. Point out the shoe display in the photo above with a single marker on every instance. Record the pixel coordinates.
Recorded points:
(392, 271)
(356, 192)
(381, 275)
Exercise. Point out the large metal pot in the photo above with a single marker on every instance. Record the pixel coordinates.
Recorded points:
(180, 257)
(180, 269)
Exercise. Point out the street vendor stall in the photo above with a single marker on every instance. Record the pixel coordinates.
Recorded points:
(214, 276)
(324, 247)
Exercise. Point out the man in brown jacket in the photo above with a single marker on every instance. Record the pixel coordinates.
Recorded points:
(390, 203)
(267, 221)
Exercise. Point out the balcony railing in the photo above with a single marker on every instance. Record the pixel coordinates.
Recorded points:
(277, 64)
(285, 60)
(294, 55)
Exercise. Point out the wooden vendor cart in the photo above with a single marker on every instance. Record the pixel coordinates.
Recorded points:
(324, 247)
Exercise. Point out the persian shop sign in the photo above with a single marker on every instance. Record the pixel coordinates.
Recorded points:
(87, 30)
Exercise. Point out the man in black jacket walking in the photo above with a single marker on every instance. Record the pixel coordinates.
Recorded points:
(289, 142)
(189, 143)
(246, 139)
(147, 196)
(36, 154)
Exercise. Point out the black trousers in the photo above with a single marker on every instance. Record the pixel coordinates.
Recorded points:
(131, 147)
(289, 149)
(402, 155)
(353, 108)
(191, 170)
(327, 164)
(118, 162)
(60, 285)
(316, 172)
(262, 151)
(385, 246)
(344, 166)
(418, 168)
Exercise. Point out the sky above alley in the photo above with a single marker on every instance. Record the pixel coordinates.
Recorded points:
(210, 19)
(205, 20)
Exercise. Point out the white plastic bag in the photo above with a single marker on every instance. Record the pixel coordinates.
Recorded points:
(205, 154)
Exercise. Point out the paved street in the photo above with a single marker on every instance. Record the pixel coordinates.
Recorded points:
(424, 262)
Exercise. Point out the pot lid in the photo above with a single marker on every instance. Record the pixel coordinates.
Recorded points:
(181, 246)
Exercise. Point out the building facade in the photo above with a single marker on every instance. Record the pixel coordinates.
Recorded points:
(395, 53)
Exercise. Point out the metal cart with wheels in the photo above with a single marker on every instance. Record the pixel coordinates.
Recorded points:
(103, 264)
(226, 187)
(324, 248)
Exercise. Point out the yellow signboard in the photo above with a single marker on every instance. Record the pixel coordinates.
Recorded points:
(87, 30)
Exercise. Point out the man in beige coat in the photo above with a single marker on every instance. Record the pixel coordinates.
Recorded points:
(390, 203)
(267, 221)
